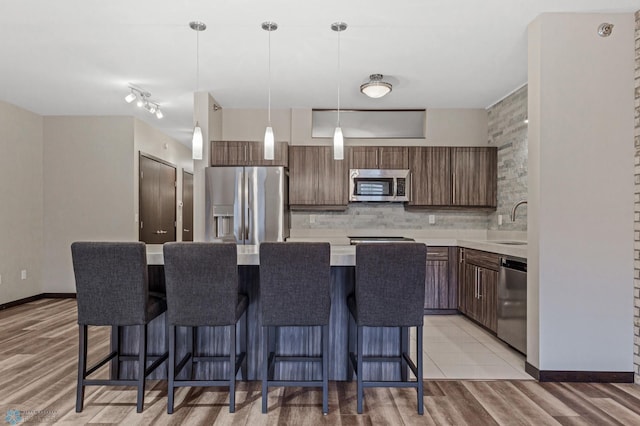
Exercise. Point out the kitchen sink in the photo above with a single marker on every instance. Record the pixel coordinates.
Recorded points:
(511, 243)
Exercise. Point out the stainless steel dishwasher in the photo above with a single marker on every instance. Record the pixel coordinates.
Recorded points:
(512, 302)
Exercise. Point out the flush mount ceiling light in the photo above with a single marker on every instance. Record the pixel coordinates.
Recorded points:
(376, 88)
(268, 134)
(143, 101)
(338, 138)
(196, 140)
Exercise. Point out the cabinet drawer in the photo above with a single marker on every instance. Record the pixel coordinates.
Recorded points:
(482, 258)
(437, 253)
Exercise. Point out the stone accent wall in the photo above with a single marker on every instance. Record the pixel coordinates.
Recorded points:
(508, 131)
(636, 290)
(372, 216)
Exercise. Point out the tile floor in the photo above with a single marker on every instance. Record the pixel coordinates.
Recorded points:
(456, 348)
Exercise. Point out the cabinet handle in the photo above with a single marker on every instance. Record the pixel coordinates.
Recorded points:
(479, 284)
(453, 185)
(245, 153)
(377, 161)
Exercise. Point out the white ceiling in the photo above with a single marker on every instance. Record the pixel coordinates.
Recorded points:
(77, 57)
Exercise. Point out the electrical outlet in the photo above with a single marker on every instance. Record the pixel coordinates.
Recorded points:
(23, 274)
(312, 218)
(432, 219)
(499, 220)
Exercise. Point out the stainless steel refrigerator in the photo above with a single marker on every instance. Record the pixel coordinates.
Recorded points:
(247, 205)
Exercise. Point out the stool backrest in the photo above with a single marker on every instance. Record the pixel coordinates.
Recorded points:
(295, 283)
(202, 283)
(390, 284)
(111, 282)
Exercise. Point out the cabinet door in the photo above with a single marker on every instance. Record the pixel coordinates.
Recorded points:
(436, 290)
(219, 155)
(303, 174)
(489, 298)
(364, 157)
(431, 176)
(474, 176)
(237, 153)
(393, 157)
(332, 178)
(471, 304)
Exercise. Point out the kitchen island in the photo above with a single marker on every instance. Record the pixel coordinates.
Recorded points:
(383, 341)
(290, 341)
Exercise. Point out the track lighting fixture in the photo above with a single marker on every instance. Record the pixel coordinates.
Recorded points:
(142, 98)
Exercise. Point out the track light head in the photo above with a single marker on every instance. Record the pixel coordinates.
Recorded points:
(130, 97)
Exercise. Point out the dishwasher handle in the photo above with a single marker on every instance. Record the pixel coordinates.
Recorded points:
(513, 264)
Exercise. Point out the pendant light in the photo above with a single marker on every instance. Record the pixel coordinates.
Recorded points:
(196, 141)
(338, 139)
(268, 134)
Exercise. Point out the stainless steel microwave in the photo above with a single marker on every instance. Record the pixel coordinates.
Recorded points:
(379, 185)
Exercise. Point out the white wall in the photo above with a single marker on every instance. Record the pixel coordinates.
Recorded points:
(581, 122)
(21, 202)
(88, 189)
(443, 127)
(152, 142)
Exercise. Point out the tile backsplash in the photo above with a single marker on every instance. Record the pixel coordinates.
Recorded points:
(382, 215)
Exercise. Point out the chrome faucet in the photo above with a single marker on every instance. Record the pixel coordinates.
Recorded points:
(515, 207)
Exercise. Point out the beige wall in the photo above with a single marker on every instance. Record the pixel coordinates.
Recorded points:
(21, 208)
(580, 209)
(444, 127)
(88, 191)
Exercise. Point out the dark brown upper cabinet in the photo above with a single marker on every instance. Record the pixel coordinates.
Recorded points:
(247, 153)
(316, 180)
(454, 177)
(379, 157)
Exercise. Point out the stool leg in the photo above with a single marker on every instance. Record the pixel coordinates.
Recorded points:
(142, 356)
(325, 369)
(265, 367)
(403, 349)
(359, 368)
(232, 367)
(172, 368)
(115, 347)
(82, 366)
(244, 346)
(420, 374)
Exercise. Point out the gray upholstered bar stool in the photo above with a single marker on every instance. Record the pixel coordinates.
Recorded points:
(389, 292)
(112, 290)
(202, 291)
(294, 291)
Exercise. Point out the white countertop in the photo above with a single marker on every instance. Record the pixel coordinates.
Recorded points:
(345, 255)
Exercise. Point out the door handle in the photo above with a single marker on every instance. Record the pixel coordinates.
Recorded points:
(160, 231)
(186, 230)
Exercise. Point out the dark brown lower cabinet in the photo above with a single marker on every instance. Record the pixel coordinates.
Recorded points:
(441, 289)
(478, 279)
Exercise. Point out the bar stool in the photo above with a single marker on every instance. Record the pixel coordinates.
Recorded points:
(202, 291)
(294, 291)
(112, 290)
(389, 292)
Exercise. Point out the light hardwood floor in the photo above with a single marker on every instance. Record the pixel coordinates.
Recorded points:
(38, 355)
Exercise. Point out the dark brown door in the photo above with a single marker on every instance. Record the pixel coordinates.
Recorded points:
(157, 201)
(187, 206)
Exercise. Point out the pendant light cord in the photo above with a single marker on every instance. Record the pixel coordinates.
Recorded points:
(339, 73)
(197, 70)
(269, 82)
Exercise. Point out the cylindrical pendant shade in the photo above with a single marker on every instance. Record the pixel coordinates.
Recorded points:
(268, 144)
(338, 144)
(196, 143)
